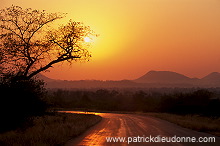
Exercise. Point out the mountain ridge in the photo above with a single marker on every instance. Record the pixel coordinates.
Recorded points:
(155, 79)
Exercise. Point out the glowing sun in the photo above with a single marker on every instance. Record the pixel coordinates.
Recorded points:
(87, 39)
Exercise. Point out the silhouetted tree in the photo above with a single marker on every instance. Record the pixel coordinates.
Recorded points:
(29, 46)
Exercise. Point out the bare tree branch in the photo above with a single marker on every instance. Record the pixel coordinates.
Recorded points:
(27, 48)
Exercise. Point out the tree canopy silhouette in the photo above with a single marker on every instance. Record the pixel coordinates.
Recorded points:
(28, 45)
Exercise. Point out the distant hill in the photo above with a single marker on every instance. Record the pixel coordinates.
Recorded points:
(213, 79)
(163, 77)
(152, 79)
(215, 76)
(43, 77)
(85, 84)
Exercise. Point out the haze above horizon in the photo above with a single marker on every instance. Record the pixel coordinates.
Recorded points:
(139, 36)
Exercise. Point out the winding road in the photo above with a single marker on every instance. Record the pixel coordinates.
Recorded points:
(130, 126)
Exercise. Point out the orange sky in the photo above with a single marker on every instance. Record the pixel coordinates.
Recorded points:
(137, 36)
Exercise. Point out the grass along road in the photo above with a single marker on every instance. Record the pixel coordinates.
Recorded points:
(195, 122)
(55, 129)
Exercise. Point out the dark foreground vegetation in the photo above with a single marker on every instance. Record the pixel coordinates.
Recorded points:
(204, 102)
(27, 120)
(48, 130)
(20, 100)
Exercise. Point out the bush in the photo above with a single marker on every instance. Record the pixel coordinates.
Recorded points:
(20, 99)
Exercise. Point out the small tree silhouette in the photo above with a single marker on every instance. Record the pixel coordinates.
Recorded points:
(29, 46)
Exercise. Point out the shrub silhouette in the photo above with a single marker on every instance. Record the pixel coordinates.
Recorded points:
(20, 100)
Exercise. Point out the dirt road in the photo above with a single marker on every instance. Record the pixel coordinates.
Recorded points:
(137, 130)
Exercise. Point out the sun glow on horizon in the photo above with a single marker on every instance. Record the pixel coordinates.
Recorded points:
(132, 37)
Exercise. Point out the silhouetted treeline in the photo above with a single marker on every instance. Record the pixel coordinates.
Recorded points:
(198, 102)
(181, 101)
(20, 100)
